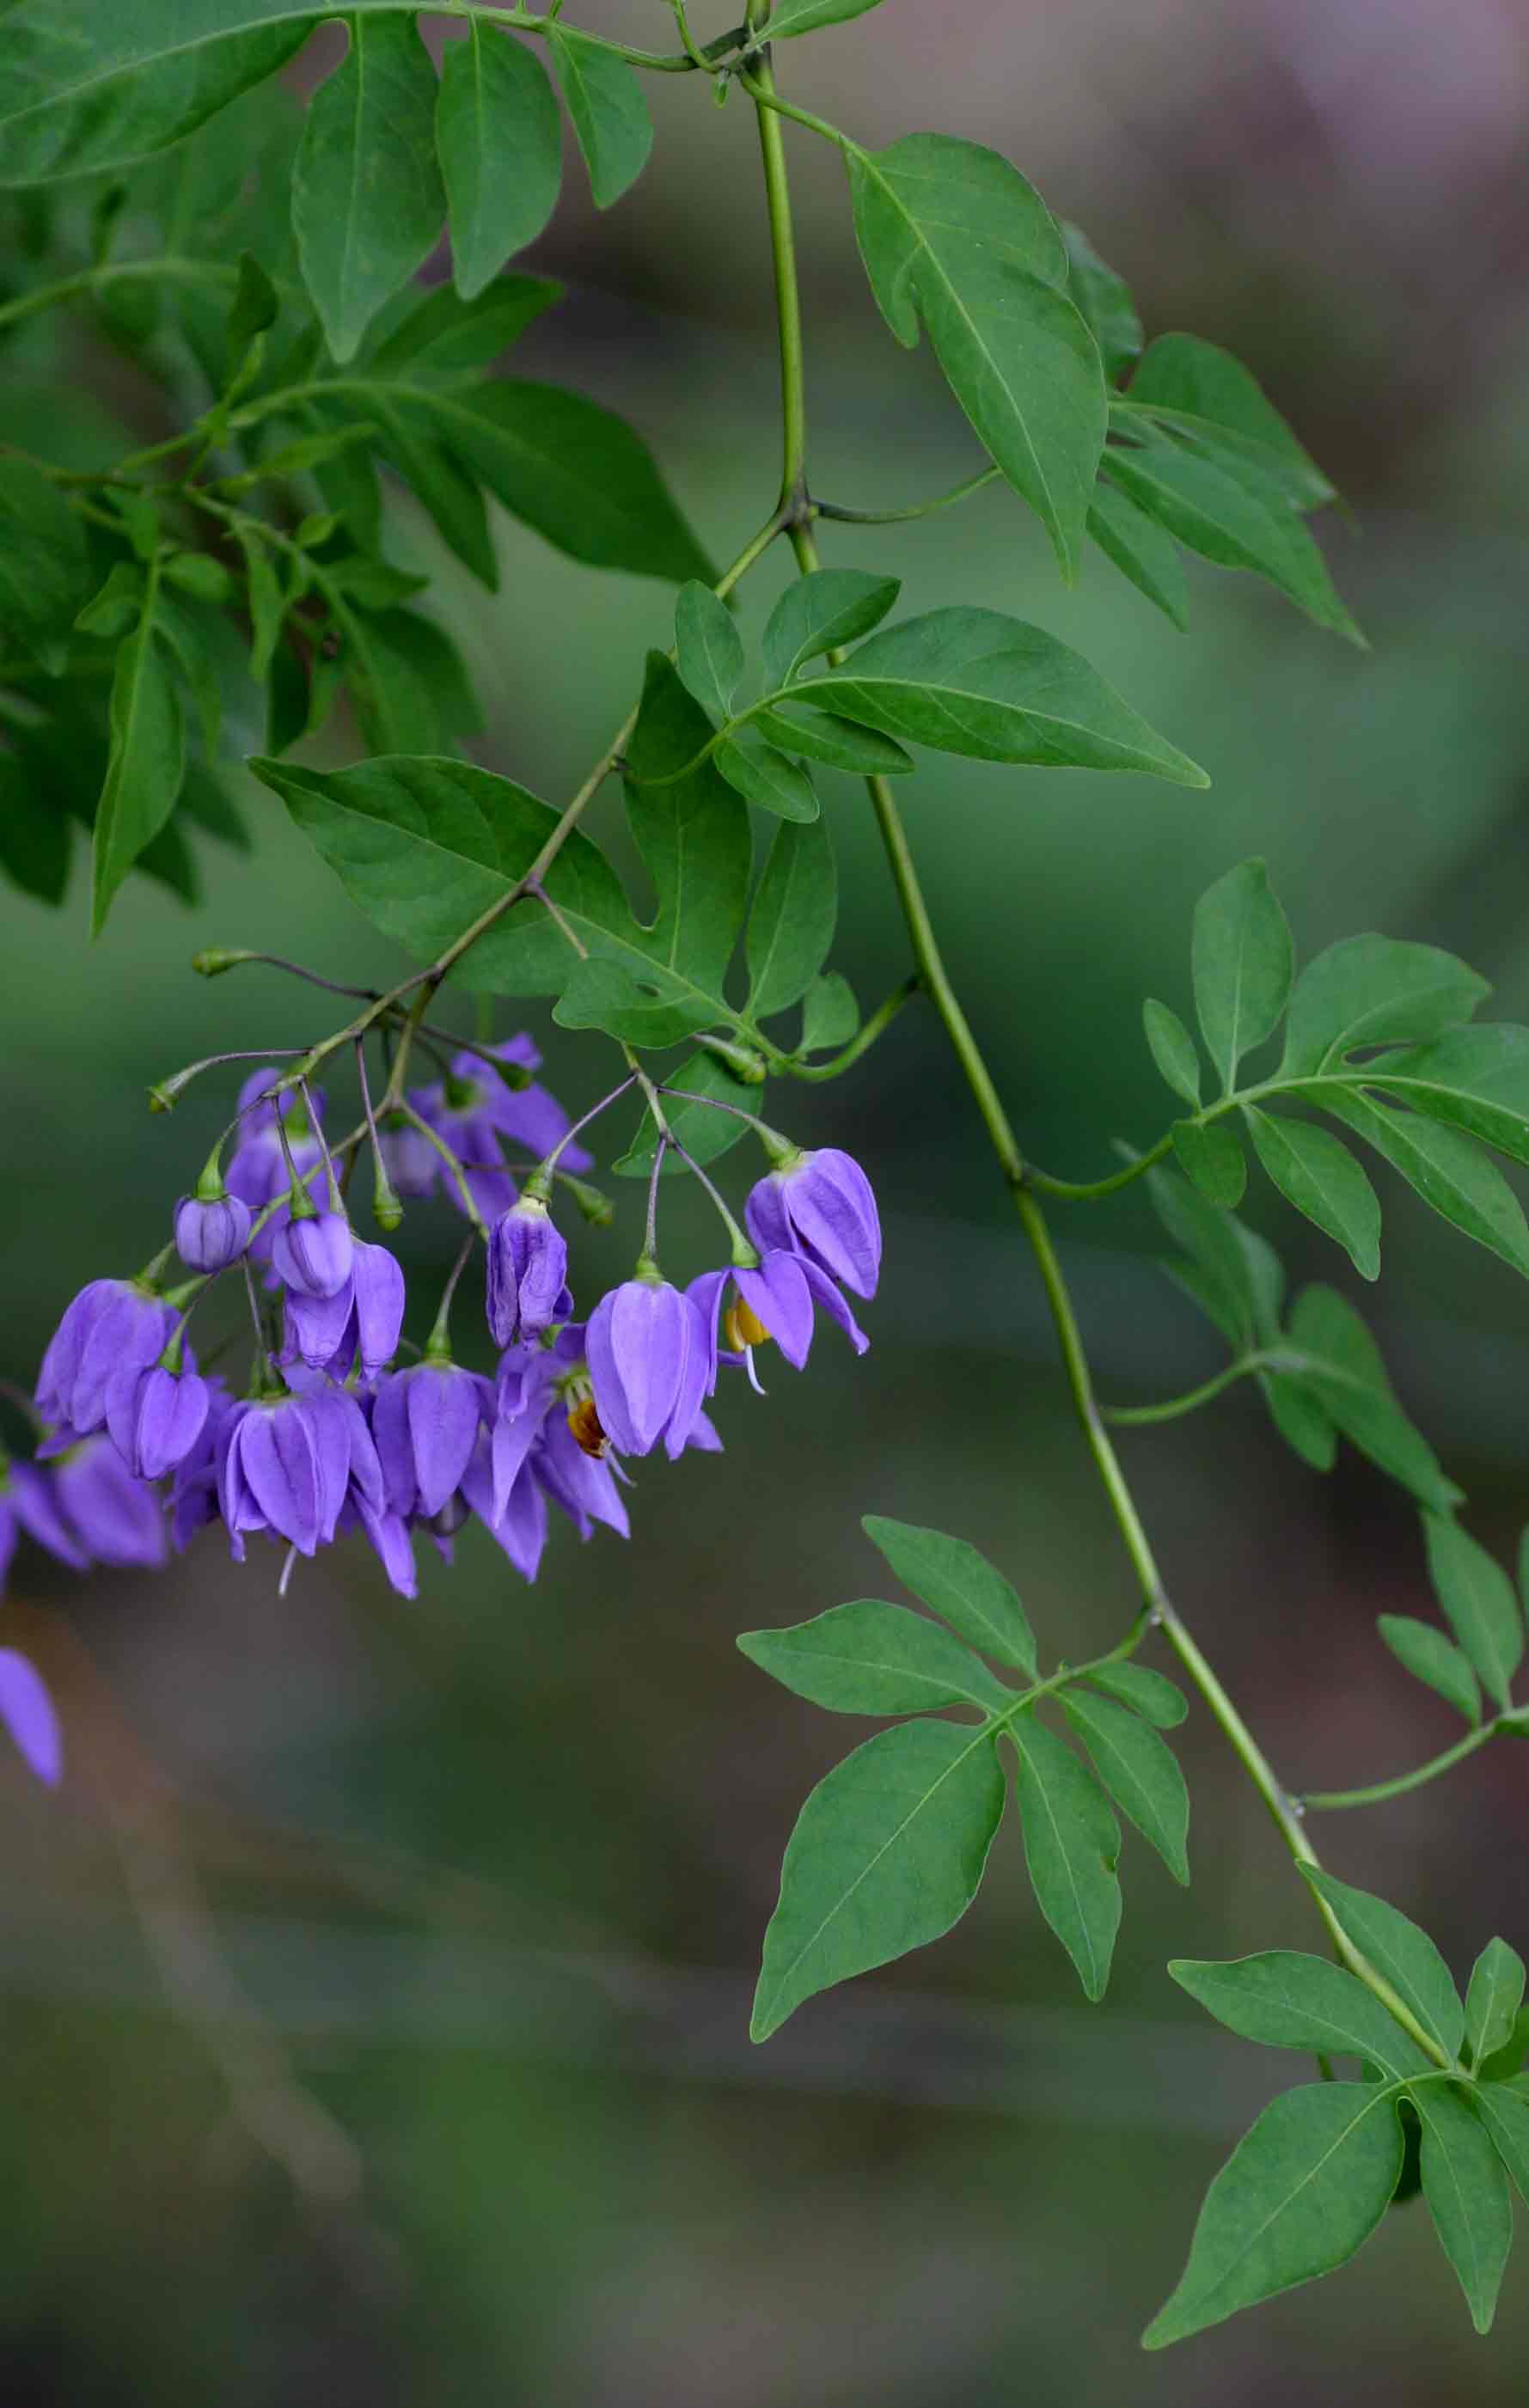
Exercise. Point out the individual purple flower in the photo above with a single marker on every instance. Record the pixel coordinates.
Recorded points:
(155, 1417)
(313, 1253)
(411, 1161)
(26, 1503)
(288, 1463)
(648, 1360)
(211, 1231)
(116, 1516)
(363, 1319)
(527, 1273)
(820, 1205)
(524, 1391)
(257, 1172)
(110, 1325)
(473, 1109)
(28, 1713)
(775, 1300)
(425, 1422)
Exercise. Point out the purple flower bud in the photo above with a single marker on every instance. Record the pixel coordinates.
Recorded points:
(210, 1234)
(821, 1207)
(648, 1359)
(26, 1503)
(110, 1325)
(314, 1256)
(425, 1422)
(155, 1418)
(116, 1516)
(528, 1261)
(27, 1712)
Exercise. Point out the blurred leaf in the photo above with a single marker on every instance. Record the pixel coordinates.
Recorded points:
(1298, 2196)
(1398, 1949)
(830, 1015)
(1479, 1603)
(1300, 1420)
(838, 743)
(1173, 1051)
(790, 925)
(1144, 1691)
(874, 1658)
(1140, 1772)
(1140, 551)
(1346, 1376)
(1224, 1287)
(44, 570)
(608, 110)
(763, 776)
(35, 838)
(253, 308)
(805, 16)
(500, 144)
(1213, 1159)
(1370, 991)
(1104, 301)
(886, 1854)
(962, 1586)
(951, 233)
(817, 612)
(1241, 962)
(144, 764)
(1285, 1999)
(117, 605)
(1447, 1170)
(367, 199)
(1492, 2000)
(1431, 1658)
(708, 650)
(1321, 1179)
(1072, 1843)
(447, 334)
(1203, 392)
(1467, 2196)
(267, 602)
(411, 690)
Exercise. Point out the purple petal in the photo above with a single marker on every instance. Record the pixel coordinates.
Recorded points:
(779, 1295)
(765, 1218)
(444, 1414)
(638, 1339)
(391, 1437)
(834, 1214)
(694, 1370)
(170, 1412)
(705, 1294)
(379, 1287)
(389, 1536)
(27, 1711)
(30, 1493)
(115, 1518)
(316, 1327)
(279, 1460)
(828, 1300)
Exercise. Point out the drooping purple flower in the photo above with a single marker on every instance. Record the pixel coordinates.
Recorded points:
(26, 1503)
(363, 1319)
(288, 1463)
(257, 1170)
(820, 1205)
(524, 1391)
(518, 1522)
(388, 1534)
(155, 1417)
(473, 1109)
(211, 1232)
(28, 1713)
(411, 1161)
(648, 1360)
(110, 1325)
(582, 1483)
(116, 1516)
(425, 1422)
(776, 1301)
(527, 1273)
(313, 1253)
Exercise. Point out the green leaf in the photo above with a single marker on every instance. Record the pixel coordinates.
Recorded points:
(1144, 1691)
(1285, 1999)
(446, 492)
(1218, 1277)
(993, 689)
(817, 612)
(805, 16)
(444, 334)
(705, 1135)
(1399, 1950)
(1203, 392)
(1431, 1658)
(500, 145)
(1241, 961)
(648, 1007)
(145, 762)
(1474, 1079)
(1072, 1843)
(886, 1854)
(1493, 1998)
(572, 470)
(35, 838)
(1321, 1179)
(1478, 1601)
(830, 1015)
(1140, 1772)
(255, 307)
(1232, 517)
(411, 690)
(794, 912)
(1213, 1159)
(88, 89)
(708, 650)
(367, 200)
(44, 571)
(1448, 1171)
(1370, 991)
(1298, 2196)
(1504, 2111)
(198, 574)
(1104, 303)
(1300, 1420)
(961, 1585)
(1140, 551)
(1172, 1050)
(817, 736)
(950, 232)
(1345, 1374)
(1467, 2195)
(117, 605)
(872, 1659)
(610, 113)
(763, 776)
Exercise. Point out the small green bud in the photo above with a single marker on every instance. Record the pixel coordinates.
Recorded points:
(214, 959)
(592, 1202)
(743, 1061)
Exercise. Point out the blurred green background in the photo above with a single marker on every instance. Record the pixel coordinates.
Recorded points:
(455, 1906)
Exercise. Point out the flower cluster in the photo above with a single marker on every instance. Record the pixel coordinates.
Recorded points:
(140, 1448)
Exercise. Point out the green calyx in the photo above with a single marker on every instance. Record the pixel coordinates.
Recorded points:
(646, 1270)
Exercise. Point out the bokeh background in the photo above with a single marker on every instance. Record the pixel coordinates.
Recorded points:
(373, 1999)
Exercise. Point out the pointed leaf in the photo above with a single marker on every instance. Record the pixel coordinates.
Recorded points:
(1104, 301)
(1203, 392)
(1479, 1603)
(961, 1585)
(838, 743)
(1140, 551)
(1398, 1949)
(446, 333)
(1173, 1051)
(791, 924)
(1210, 1155)
(708, 650)
(1492, 2000)
(145, 764)
(888, 1854)
(1297, 2196)
(1321, 1179)
(1072, 1844)
(830, 1015)
(1241, 961)
(500, 144)
(1369, 991)
(1448, 1171)
(1430, 1658)
(820, 612)
(1474, 1079)
(367, 199)
(1223, 1285)
(610, 113)
(1145, 1692)
(1504, 2111)
(872, 1659)
(1467, 2195)
(1140, 1772)
(44, 576)
(1304, 1424)
(763, 776)
(1344, 1373)
(805, 16)
(1288, 2000)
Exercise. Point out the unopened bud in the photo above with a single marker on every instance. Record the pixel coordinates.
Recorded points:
(594, 1204)
(747, 1065)
(214, 959)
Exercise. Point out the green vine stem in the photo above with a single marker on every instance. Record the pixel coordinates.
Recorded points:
(1322, 1800)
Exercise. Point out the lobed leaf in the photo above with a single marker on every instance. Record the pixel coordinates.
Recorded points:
(1372, 990)
(1344, 1373)
(1447, 1170)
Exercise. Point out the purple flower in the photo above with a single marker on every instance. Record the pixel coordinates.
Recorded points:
(473, 1109)
(211, 1232)
(648, 1359)
(388, 1536)
(194, 1488)
(27, 1712)
(110, 1325)
(523, 1394)
(776, 1301)
(314, 1253)
(116, 1515)
(155, 1417)
(581, 1482)
(362, 1318)
(518, 1523)
(257, 1170)
(26, 1503)
(527, 1268)
(411, 1161)
(820, 1206)
(425, 1422)
(288, 1463)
